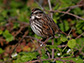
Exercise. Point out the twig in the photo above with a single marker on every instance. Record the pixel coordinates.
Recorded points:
(47, 40)
(70, 32)
(67, 13)
(37, 60)
(39, 5)
(34, 39)
(52, 39)
(47, 53)
(71, 14)
(71, 7)
(79, 35)
(64, 48)
(19, 31)
(20, 41)
(53, 50)
(50, 7)
(60, 46)
(34, 61)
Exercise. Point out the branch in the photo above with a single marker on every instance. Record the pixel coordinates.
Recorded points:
(52, 39)
(72, 7)
(50, 7)
(79, 35)
(72, 15)
(34, 61)
(67, 13)
(39, 5)
(53, 49)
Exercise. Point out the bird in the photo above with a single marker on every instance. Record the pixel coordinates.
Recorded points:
(42, 24)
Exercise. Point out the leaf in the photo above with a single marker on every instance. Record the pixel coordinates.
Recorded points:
(16, 25)
(25, 58)
(71, 43)
(44, 56)
(1, 50)
(8, 36)
(52, 46)
(76, 60)
(80, 24)
(13, 4)
(63, 39)
(28, 56)
(80, 42)
(59, 62)
(77, 11)
(47, 61)
(79, 31)
(66, 25)
(61, 27)
(1, 32)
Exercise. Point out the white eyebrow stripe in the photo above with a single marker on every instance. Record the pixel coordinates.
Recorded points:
(37, 11)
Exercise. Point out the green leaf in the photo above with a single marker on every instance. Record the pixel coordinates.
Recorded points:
(80, 42)
(77, 11)
(63, 39)
(8, 36)
(52, 46)
(80, 24)
(44, 56)
(59, 62)
(61, 27)
(79, 31)
(83, 28)
(14, 4)
(16, 25)
(76, 60)
(71, 43)
(46, 61)
(1, 50)
(38, 37)
(27, 56)
(1, 32)
(65, 26)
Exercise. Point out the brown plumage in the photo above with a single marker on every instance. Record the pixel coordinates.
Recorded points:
(42, 24)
